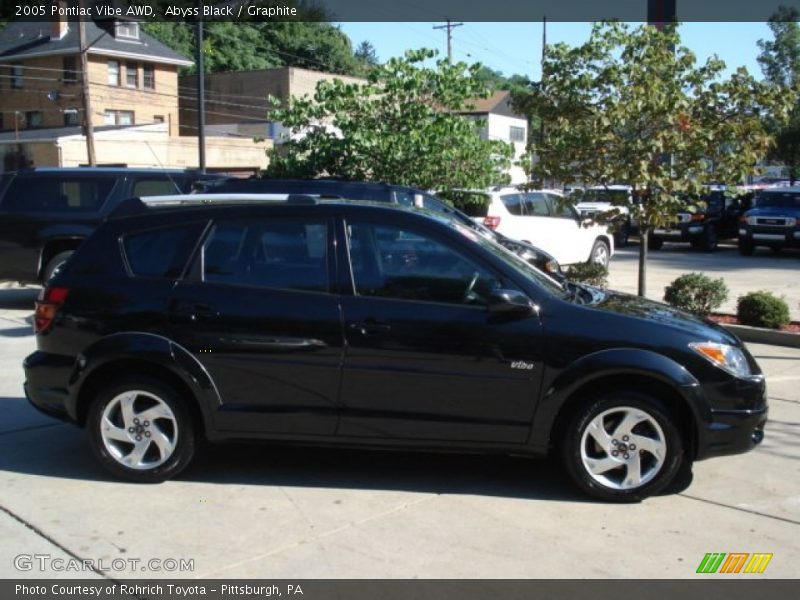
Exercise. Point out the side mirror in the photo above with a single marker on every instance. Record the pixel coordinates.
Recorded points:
(510, 303)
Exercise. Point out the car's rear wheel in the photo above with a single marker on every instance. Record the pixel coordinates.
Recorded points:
(710, 239)
(746, 247)
(654, 243)
(622, 234)
(141, 430)
(601, 253)
(54, 265)
(622, 447)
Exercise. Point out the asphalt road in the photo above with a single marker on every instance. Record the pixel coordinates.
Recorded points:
(273, 512)
(765, 270)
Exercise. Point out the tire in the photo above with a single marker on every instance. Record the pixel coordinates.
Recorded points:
(746, 247)
(622, 235)
(600, 254)
(132, 446)
(55, 264)
(654, 243)
(710, 239)
(599, 428)
(775, 249)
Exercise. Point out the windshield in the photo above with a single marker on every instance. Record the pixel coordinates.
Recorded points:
(778, 200)
(603, 195)
(520, 265)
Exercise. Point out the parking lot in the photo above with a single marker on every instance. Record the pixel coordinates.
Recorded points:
(280, 512)
(778, 273)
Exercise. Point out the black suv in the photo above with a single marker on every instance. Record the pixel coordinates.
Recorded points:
(774, 222)
(46, 213)
(705, 222)
(385, 192)
(355, 323)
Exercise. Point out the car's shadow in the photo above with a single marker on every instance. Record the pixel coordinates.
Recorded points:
(66, 454)
(18, 298)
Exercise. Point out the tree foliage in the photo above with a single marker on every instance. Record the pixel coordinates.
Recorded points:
(780, 63)
(401, 126)
(631, 105)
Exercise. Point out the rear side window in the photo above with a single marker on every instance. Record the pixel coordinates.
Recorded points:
(289, 254)
(157, 186)
(161, 252)
(69, 193)
(525, 204)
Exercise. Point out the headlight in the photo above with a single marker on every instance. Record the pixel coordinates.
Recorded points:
(790, 222)
(751, 220)
(726, 357)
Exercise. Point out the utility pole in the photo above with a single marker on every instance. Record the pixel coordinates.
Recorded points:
(450, 26)
(88, 128)
(201, 92)
(541, 84)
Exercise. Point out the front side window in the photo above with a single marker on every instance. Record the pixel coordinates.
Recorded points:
(392, 262)
(288, 254)
(559, 207)
(161, 252)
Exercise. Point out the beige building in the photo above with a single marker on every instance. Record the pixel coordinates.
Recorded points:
(236, 101)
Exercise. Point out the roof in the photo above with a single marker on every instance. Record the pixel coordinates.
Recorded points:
(51, 134)
(499, 103)
(83, 170)
(29, 39)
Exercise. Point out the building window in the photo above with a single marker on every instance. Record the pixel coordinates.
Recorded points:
(149, 72)
(517, 134)
(119, 117)
(113, 72)
(127, 30)
(69, 69)
(132, 75)
(16, 77)
(33, 119)
(70, 117)
(158, 118)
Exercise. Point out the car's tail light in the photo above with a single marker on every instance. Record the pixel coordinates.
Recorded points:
(698, 217)
(491, 222)
(47, 305)
(742, 219)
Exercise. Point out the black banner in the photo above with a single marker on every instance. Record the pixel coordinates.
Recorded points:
(397, 11)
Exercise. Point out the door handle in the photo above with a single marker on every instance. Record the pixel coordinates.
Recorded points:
(194, 310)
(276, 343)
(369, 327)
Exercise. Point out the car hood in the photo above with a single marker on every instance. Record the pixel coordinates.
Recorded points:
(774, 211)
(662, 314)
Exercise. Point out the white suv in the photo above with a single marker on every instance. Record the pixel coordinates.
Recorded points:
(601, 199)
(542, 218)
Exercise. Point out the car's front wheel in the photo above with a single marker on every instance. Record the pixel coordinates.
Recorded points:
(622, 447)
(141, 430)
(746, 247)
(601, 254)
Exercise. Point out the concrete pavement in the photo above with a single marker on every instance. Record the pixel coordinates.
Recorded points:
(279, 512)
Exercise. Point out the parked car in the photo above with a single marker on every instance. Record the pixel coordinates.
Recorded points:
(358, 324)
(603, 200)
(384, 192)
(774, 222)
(704, 221)
(46, 213)
(545, 219)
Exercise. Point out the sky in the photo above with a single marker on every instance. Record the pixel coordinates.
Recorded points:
(517, 47)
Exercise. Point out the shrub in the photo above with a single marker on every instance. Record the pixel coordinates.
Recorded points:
(590, 273)
(696, 293)
(762, 309)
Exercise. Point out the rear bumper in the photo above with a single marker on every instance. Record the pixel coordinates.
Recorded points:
(46, 379)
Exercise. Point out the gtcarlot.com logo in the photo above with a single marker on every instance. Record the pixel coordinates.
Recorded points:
(734, 562)
(48, 563)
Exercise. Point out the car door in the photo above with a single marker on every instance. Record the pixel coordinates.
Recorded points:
(573, 241)
(257, 312)
(424, 359)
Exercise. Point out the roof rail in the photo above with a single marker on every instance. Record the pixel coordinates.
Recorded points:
(204, 199)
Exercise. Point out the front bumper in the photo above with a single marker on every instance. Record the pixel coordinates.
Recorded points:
(46, 379)
(779, 237)
(684, 232)
(738, 427)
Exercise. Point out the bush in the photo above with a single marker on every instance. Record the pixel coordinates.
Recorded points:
(589, 273)
(696, 293)
(762, 309)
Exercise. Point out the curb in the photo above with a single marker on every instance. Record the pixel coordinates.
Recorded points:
(757, 335)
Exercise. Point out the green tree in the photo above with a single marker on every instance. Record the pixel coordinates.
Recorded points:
(631, 105)
(780, 63)
(401, 126)
(365, 52)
